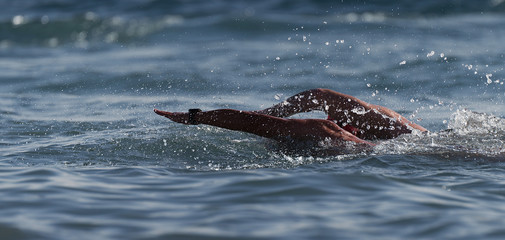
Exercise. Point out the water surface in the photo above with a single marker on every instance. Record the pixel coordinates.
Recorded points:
(82, 153)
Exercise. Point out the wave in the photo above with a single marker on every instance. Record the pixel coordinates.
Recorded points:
(199, 8)
(81, 30)
(54, 23)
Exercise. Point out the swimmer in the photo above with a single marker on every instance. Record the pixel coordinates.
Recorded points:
(349, 119)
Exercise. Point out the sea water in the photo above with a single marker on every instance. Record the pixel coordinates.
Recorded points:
(83, 155)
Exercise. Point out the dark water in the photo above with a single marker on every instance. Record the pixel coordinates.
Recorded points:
(83, 155)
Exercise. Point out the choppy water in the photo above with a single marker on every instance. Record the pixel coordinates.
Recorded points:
(83, 155)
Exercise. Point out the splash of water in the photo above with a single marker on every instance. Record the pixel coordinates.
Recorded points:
(471, 134)
(465, 122)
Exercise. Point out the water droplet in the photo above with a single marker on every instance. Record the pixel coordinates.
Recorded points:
(53, 42)
(90, 16)
(488, 77)
(18, 20)
(44, 19)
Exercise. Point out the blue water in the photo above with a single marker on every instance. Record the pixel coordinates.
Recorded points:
(83, 155)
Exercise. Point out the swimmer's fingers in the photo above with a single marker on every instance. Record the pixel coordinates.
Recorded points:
(162, 113)
(178, 117)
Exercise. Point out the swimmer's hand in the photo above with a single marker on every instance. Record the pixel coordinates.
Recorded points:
(178, 117)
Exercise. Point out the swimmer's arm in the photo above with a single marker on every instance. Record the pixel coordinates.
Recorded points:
(340, 107)
(259, 124)
(267, 126)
